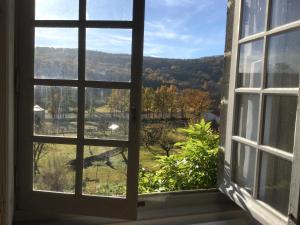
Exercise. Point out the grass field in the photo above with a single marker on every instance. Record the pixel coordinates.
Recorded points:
(105, 176)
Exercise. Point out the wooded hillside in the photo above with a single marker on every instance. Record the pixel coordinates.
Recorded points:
(203, 73)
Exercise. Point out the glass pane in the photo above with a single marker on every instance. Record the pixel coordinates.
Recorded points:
(109, 9)
(250, 65)
(105, 171)
(275, 179)
(247, 116)
(56, 10)
(55, 111)
(107, 113)
(254, 12)
(284, 12)
(53, 167)
(56, 53)
(283, 60)
(243, 165)
(279, 122)
(108, 56)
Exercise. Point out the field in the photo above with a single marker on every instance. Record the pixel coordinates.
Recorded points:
(105, 175)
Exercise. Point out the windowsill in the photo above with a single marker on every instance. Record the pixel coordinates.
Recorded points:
(182, 207)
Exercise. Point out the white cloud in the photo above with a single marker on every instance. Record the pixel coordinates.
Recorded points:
(162, 31)
(57, 9)
(56, 37)
(109, 40)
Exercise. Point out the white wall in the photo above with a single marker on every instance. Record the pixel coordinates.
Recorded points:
(6, 111)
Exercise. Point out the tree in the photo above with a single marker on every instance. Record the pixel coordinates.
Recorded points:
(195, 102)
(118, 101)
(194, 168)
(172, 100)
(167, 141)
(39, 151)
(151, 134)
(163, 99)
(54, 101)
(148, 100)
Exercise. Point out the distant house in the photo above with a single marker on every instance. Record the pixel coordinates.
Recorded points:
(39, 114)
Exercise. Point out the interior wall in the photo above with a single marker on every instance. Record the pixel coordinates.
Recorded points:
(6, 111)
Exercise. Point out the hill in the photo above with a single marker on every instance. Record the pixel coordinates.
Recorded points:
(203, 73)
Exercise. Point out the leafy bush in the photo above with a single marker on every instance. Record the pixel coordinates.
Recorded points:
(195, 167)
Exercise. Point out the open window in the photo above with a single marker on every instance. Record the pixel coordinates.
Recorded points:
(65, 138)
(262, 148)
(262, 133)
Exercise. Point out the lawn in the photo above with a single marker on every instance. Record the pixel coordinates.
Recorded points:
(107, 176)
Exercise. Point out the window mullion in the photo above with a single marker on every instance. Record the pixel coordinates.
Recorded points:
(260, 119)
(261, 103)
(81, 96)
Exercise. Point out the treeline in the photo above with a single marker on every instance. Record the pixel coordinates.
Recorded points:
(169, 101)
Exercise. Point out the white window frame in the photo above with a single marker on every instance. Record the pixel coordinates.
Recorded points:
(264, 213)
(77, 203)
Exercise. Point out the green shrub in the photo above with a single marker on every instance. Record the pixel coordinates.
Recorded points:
(195, 167)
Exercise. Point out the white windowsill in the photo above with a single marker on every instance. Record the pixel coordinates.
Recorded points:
(175, 208)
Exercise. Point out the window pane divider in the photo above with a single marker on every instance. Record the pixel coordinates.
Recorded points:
(108, 84)
(284, 28)
(245, 141)
(81, 98)
(84, 23)
(76, 83)
(277, 152)
(52, 82)
(275, 91)
(106, 143)
(248, 90)
(281, 91)
(55, 140)
(252, 38)
(75, 141)
(274, 151)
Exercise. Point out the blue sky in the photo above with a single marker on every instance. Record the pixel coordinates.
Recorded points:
(173, 28)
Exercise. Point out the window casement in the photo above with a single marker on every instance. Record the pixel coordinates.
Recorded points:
(72, 93)
(263, 129)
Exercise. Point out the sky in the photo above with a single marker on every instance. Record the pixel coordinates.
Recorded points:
(173, 28)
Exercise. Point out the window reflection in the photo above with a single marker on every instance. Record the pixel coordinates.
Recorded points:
(279, 122)
(107, 113)
(108, 54)
(284, 12)
(284, 58)
(56, 53)
(109, 9)
(254, 12)
(105, 171)
(52, 167)
(250, 65)
(275, 178)
(56, 10)
(243, 165)
(247, 117)
(55, 111)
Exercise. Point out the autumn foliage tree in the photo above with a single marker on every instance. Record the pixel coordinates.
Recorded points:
(168, 101)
